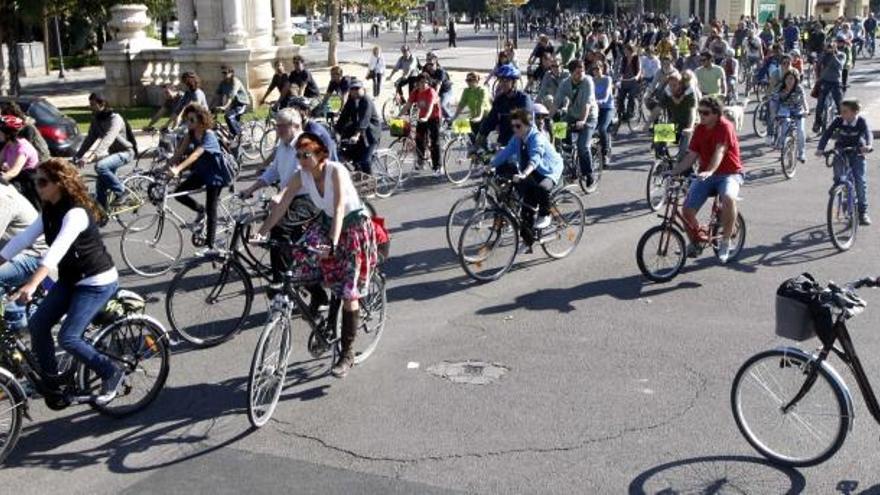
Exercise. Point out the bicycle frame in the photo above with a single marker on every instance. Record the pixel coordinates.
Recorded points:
(673, 218)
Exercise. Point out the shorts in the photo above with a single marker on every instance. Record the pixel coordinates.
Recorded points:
(721, 185)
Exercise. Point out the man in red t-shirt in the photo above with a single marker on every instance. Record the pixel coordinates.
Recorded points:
(426, 99)
(720, 171)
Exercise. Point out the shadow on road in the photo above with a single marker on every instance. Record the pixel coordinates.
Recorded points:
(718, 474)
(802, 246)
(850, 487)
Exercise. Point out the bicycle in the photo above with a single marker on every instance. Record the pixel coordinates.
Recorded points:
(788, 157)
(466, 206)
(803, 409)
(761, 118)
(134, 188)
(498, 227)
(566, 139)
(161, 232)
(670, 248)
(121, 332)
(842, 215)
(386, 172)
(269, 365)
(827, 114)
(457, 158)
(664, 162)
(247, 144)
(405, 148)
(392, 108)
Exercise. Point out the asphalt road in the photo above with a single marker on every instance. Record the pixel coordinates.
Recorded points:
(613, 384)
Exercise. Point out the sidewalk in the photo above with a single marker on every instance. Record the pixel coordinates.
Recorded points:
(72, 91)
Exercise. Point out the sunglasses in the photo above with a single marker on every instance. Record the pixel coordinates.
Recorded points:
(302, 155)
(41, 182)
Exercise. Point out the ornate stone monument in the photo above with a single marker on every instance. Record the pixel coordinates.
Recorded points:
(236, 33)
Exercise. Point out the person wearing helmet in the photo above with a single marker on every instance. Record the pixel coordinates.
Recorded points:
(29, 131)
(507, 99)
(576, 100)
(542, 120)
(19, 159)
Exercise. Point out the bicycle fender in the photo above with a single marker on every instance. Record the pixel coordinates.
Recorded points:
(18, 393)
(831, 372)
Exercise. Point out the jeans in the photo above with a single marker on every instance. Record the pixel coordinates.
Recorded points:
(825, 89)
(107, 181)
(725, 185)
(800, 133)
(233, 118)
(361, 152)
(81, 304)
(604, 121)
(212, 196)
(445, 99)
(584, 138)
(13, 274)
(377, 83)
(626, 99)
(857, 164)
(425, 131)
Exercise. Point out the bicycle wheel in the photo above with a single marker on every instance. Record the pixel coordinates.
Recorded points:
(151, 245)
(11, 414)
(268, 370)
(136, 187)
(268, 142)
(388, 172)
(372, 318)
(657, 183)
(140, 346)
(759, 119)
(661, 253)
(209, 300)
(842, 217)
(258, 254)
(456, 161)
(488, 245)
(811, 431)
(249, 140)
(564, 234)
(390, 110)
(148, 159)
(404, 149)
(462, 210)
(789, 156)
(737, 240)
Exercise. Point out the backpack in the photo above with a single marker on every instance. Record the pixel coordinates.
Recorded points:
(229, 167)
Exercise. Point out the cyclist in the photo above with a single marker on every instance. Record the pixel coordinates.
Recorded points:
(754, 50)
(29, 131)
(113, 148)
(536, 168)
(567, 50)
(871, 30)
(346, 250)
(311, 125)
(716, 147)
(656, 89)
(731, 70)
(407, 64)
(16, 214)
(539, 52)
(790, 35)
(792, 102)
(576, 100)
(338, 86)
(285, 96)
(473, 99)
(852, 131)
(604, 88)
(170, 98)
(193, 94)
(710, 77)
(830, 71)
(427, 101)
(300, 76)
(507, 99)
(440, 81)
(277, 79)
(87, 278)
(550, 83)
(630, 81)
(19, 159)
(359, 124)
(233, 98)
(680, 104)
(205, 159)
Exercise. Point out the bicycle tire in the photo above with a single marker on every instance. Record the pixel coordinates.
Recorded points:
(390, 110)
(655, 188)
(759, 119)
(779, 360)
(259, 255)
(457, 163)
(388, 173)
(138, 199)
(680, 249)
(788, 158)
(405, 150)
(147, 159)
(373, 309)
(842, 209)
(249, 140)
(183, 293)
(275, 363)
(268, 143)
(738, 241)
(457, 218)
(163, 238)
(568, 223)
(152, 342)
(12, 405)
(502, 230)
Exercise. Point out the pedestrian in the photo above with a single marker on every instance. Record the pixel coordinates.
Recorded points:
(451, 32)
(376, 68)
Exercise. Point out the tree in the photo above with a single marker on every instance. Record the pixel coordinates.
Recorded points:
(163, 11)
(334, 31)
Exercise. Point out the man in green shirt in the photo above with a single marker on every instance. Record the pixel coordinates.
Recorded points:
(474, 100)
(710, 77)
(567, 50)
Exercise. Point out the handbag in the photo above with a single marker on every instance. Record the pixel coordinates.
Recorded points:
(370, 74)
(815, 91)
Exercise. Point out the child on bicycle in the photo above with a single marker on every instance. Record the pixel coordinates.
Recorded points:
(852, 131)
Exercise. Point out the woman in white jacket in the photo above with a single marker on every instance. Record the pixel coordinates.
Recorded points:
(376, 69)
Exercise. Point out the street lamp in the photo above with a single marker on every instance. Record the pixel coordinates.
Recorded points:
(60, 53)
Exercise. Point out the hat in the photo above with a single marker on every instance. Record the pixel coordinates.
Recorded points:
(355, 84)
(322, 140)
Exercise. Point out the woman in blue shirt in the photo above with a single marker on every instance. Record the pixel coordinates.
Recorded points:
(604, 89)
(206, 160)
(537, 170)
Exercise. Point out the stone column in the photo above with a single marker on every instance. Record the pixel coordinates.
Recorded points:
(283, 29)
(211, 26)
(233, 22)
(186, 21)
(260, 23)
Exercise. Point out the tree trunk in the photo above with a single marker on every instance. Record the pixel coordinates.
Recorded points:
(164, 34)
(334, 29)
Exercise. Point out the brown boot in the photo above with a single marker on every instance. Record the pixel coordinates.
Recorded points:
(350, 322)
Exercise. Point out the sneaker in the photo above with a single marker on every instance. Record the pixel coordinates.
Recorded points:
(200, 219)
(801, 159)
(542, 222)
(342, 367)
(608, 161)
(438, 172)
(109, 387)
(816, 127)
(864, 219)
(120, 201)
(724, 251)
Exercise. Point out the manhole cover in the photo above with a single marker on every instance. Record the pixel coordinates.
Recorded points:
(469, 372)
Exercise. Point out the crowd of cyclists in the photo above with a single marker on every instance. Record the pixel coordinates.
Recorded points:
(590, 73)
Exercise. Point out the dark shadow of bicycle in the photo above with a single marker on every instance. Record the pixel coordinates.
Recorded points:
(618, 212)
(421, 263)
(718, 474)
(802, 246)
(179, 426)
(850, 487)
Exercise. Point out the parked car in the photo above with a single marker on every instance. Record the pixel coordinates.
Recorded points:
(60, 132)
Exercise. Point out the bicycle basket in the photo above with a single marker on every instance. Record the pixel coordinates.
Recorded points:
(560, 130)
(334, 103)
(794, 318)
(664, 133)
(365, 184)
(461, 126)
(399, 127)
(123, 304)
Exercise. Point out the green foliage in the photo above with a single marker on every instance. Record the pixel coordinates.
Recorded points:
(75, 61)
(160, 10)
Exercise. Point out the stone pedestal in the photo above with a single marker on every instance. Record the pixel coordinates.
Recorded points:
(121, 55)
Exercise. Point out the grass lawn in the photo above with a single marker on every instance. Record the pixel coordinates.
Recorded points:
(138, 117)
